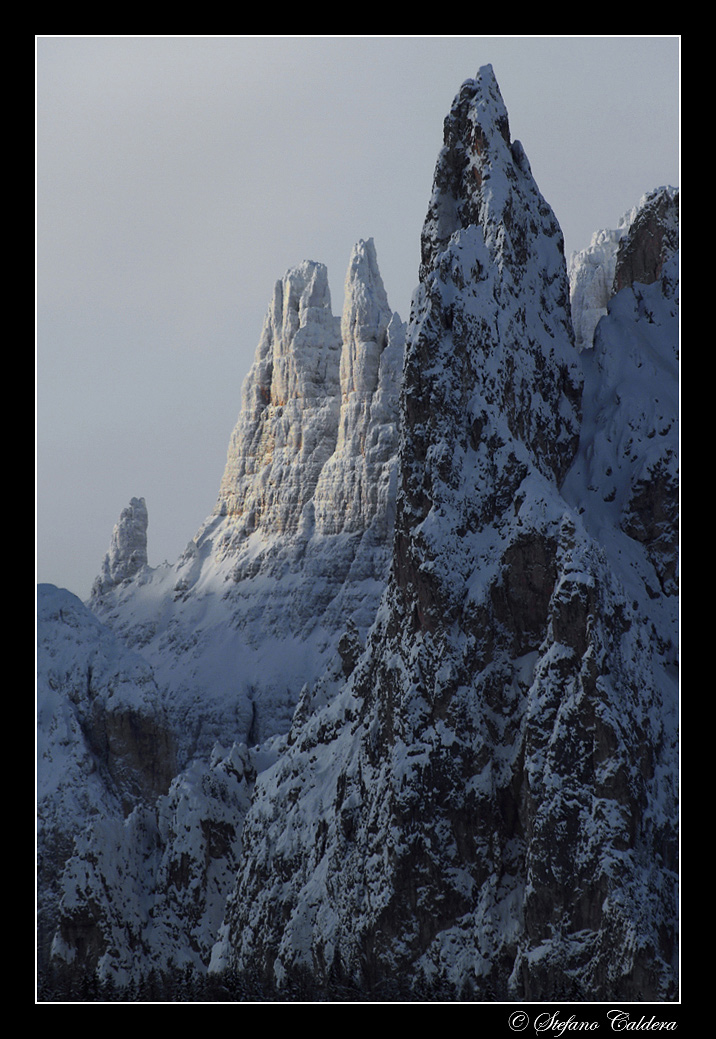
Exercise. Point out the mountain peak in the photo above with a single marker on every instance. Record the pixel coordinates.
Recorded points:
(299, 540)
(476, 168)
(127, 553)
(652, 238)
(299, 344)
(364, 322)
(491, 380)
(286, 427)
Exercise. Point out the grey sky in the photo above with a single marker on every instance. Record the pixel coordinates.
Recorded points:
(179, 177)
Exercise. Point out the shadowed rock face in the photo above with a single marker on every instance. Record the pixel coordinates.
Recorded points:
(135, 749)
(487, 803)
(652, 239)
(104, 748)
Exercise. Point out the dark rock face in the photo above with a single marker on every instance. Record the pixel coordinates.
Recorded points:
(487, 804)
(136, 751)
(652, 239)
(652, 518)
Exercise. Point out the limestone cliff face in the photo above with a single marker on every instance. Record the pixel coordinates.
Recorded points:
(311, 464)
(298, 544)
(485, 808)
(356, 488)
(289, 416)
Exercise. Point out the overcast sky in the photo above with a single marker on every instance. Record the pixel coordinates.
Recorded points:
(178, 178)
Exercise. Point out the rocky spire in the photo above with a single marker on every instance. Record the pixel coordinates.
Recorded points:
(476, 145)
(315, 447)
(287, 426)
(127, 553)
(491, 382)
(320, 389)
(356, 489)
(364, 321)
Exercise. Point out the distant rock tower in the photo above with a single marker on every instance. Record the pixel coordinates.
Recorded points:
(127, 553)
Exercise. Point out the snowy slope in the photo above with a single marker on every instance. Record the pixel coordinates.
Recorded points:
(103, 741)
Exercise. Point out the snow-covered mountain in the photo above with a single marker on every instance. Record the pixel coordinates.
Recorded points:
(281, 581)
(298, 544)
(411, 690)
